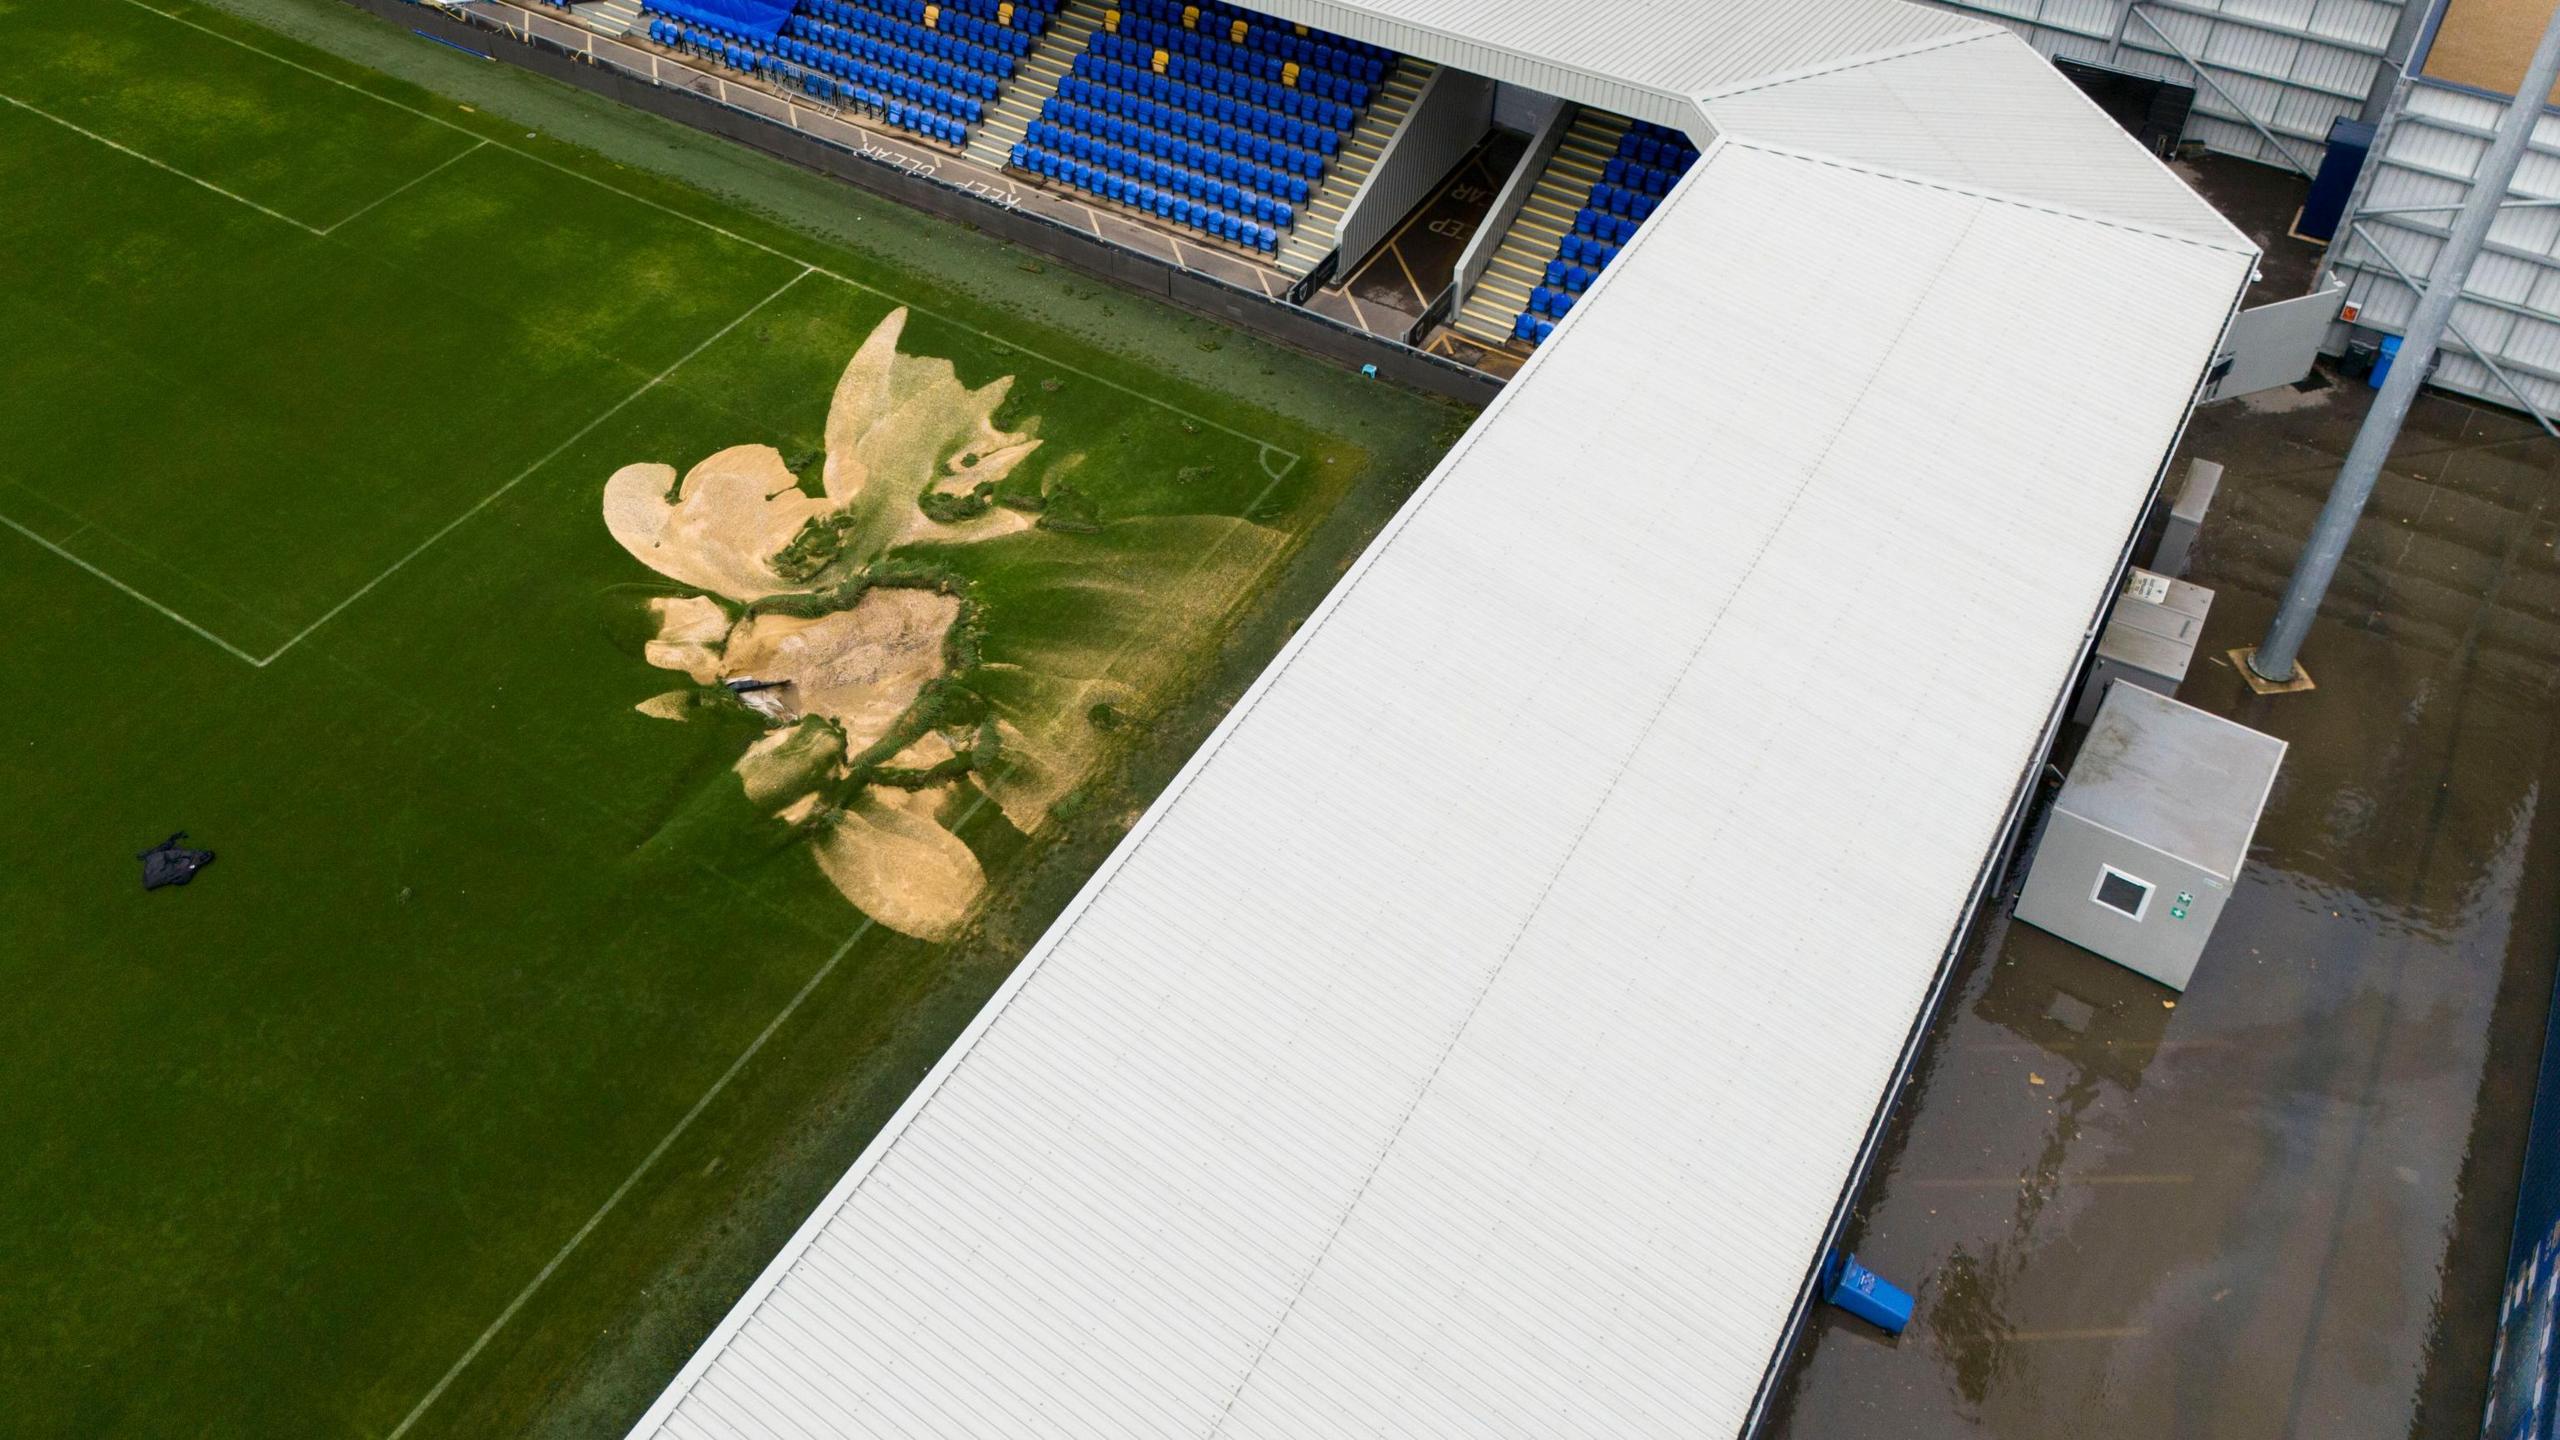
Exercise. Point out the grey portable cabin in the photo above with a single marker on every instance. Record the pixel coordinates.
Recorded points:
(2147, 837)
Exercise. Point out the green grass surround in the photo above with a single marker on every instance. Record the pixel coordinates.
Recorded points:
(302, 434)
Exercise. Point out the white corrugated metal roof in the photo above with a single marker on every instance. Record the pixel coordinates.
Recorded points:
(1478, 1036)
(1648, 58)
(1983, 113)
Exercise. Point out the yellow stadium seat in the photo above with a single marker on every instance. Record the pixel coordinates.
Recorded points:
(1004, 13)
(1289, 73)
(933, 17)
(1111, 21)
(1190, 17)
(1235, 32)
(1162, 60)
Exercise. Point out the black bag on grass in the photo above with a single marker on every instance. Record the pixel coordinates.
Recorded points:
(170, 863)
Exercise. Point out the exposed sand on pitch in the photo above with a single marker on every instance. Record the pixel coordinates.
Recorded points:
(891, 857)
(987, 524)
(861, 667)
(787, 765)
(930, 749)
(741, 526)
(690, 629)
(851, 675)
(737, 510)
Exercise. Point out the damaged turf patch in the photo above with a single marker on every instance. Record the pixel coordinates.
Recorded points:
(851, 617)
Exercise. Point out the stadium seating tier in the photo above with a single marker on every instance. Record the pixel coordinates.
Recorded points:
(1215, 118)
(1650, 160)
(931, 69)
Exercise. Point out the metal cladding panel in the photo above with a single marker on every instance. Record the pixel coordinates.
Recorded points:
(1987, 113)
(2427, 156)
(1655, 53)
(1479, 1035)
(2296, 64)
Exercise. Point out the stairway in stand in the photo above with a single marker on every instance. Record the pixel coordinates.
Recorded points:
(1034, 81)
(1520, 263)
(1320, 220)
(611, 17)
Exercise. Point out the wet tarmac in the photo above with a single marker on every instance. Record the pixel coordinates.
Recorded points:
(2263, 201)
(2282, 1207)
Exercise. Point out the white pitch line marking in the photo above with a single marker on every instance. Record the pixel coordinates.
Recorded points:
(647, 1162)
(650, 1160)
(976, 803)
(129, 590)
(123, 149)
(717, 229)
(415, 182)
(552, 454)
(1265, 447)
(449, 527)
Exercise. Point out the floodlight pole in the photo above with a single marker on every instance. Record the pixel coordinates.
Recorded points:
(2273, 660)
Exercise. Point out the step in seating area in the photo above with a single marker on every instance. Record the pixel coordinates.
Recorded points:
(1650, 160)
(931, 69)
(1218, 119)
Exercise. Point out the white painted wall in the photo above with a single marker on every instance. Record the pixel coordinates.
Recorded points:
(2426, 155)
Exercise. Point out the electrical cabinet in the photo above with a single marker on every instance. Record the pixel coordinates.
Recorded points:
(2145, 842)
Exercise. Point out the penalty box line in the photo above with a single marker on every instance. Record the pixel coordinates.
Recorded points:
(421, 178)
(1265, 450)
(649, 1161)
(305, 226)
(613, 1201)
(226, 645)
(1265, 447)
(554, 453)
(258, 662)
(162, 165)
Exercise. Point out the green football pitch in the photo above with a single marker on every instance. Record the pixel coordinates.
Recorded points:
(512, 1029)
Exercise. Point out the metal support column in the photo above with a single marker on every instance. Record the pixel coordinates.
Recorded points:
(2273, 660)
(2395, 59)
